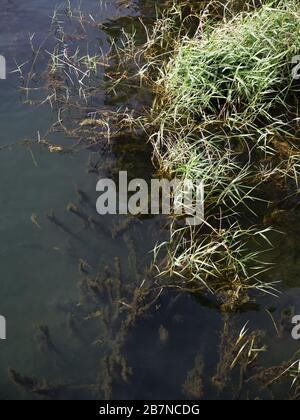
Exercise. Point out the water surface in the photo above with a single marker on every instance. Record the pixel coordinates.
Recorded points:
(39, 277)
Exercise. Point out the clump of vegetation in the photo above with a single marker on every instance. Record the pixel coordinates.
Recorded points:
(237, 71)
(220, 262)
(226, 103)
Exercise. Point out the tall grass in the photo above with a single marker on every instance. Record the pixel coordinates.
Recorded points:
(239, 71)
(224, 95)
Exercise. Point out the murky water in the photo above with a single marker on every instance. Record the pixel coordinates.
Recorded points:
(40, 283)
(39, 262)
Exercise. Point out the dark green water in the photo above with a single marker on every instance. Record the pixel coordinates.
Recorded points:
(39, 277)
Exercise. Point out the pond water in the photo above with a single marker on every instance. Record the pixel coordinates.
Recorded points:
(40, 284)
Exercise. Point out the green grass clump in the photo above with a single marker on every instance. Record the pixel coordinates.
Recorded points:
(226, 95)
(240, 70)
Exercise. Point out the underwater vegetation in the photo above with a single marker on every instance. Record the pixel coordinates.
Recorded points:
(113, 297)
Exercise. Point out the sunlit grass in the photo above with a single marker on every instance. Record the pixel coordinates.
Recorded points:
(238, 71)
(223, 98)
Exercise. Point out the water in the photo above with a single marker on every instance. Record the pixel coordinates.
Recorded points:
(39, 265)
(39, 279)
